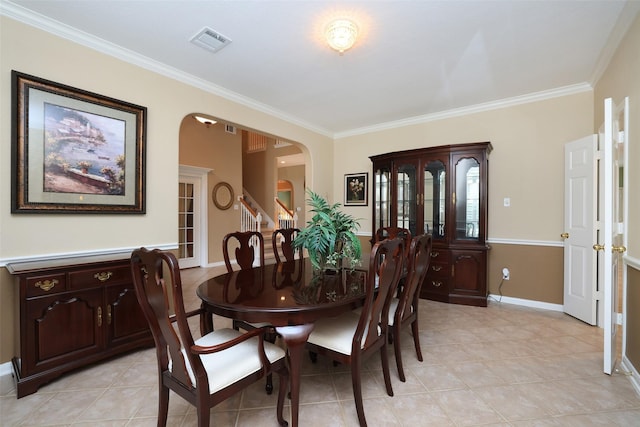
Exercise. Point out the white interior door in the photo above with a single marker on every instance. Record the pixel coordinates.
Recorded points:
(613, 222)
(580, 198)
(192, 217)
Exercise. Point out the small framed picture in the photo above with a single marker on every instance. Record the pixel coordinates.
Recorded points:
(356, 189)
(75, 151)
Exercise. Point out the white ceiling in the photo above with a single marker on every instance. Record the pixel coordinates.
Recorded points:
(413, 60)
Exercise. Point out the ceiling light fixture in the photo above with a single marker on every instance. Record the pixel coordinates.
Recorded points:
(341, 34)
(205, 121)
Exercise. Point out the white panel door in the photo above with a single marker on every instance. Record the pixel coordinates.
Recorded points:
(613, 221)
(580, 198)
(192, 216)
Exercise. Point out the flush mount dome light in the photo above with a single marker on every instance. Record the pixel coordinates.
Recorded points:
(341, 34)
(205, 121)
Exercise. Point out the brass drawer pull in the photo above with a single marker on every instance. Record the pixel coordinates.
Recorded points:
(46, 285)
(108, 314)
(103, 276)
(436, 284)
(435, 254)
(99, 316)
(436, 267)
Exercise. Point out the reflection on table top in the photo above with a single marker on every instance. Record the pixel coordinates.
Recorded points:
(283, 290)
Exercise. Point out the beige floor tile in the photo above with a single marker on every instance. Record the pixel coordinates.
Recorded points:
(466, 408)
(438, 378)
(513, 402)
(419, 410)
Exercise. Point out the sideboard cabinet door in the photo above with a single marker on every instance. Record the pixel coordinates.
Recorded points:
(60, 329)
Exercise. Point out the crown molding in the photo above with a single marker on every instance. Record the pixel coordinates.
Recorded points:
(472, 109)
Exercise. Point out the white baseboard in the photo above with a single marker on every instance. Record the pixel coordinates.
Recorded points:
(526, 302)
(6, 369)
(635, 376)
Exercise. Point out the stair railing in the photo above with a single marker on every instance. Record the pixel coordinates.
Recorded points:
(250, 220)
(285, 217)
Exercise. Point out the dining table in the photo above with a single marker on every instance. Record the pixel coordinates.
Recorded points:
(291, 296)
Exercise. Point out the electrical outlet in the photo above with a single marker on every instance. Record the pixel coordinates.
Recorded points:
(506, 274)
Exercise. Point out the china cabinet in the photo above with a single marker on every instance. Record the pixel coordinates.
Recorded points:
(73, 314)
(442, 191)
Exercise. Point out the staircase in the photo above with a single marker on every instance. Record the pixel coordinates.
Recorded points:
(268, 246)
(254, 218)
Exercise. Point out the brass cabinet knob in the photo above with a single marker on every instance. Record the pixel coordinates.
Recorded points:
(565, 235)
(619, 249)
(598, 247)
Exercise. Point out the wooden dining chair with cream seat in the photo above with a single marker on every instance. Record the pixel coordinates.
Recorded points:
(403, 309)
(282, 241)
(245, 245)
(393, 232)
(208, 370)
(353, 337)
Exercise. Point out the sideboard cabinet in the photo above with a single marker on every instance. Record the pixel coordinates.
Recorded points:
(442, 191)
(73, 315)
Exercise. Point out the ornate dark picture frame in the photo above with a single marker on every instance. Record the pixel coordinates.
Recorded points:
(75, 151)
(356, 189)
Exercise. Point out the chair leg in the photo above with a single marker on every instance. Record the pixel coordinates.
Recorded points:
(385, 369)
(357, 393)
(203, 412)
(416, 339)
(163, 404)
(270, 337)
(398, 353)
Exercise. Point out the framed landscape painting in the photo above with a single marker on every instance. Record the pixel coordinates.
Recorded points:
(75, 151)
(356, 189)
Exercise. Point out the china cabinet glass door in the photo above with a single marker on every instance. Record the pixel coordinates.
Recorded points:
(407, 197)
(382, 196)
(434, 205)
(467, 199)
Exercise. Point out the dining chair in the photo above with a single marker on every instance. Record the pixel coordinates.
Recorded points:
(246, 244)
(351, 338)
(403, 309)
(282, 241)
(210, 369)
(393, 232)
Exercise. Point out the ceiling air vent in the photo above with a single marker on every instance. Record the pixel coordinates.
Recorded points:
(210, 39)
(230, 129)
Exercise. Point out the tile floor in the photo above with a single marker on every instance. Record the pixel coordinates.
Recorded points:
(502, 365)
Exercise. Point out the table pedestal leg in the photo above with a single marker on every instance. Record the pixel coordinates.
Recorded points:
(295, 338)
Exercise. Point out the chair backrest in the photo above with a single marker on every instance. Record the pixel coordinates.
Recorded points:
(419, 259)
(385, 267)
(394, 232)
(282, 241)
(158, 299)
(247, 244)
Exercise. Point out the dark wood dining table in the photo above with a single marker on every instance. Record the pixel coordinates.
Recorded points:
(291, 296)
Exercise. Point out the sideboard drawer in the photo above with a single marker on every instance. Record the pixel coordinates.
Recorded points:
(45, 285)
(106, 275)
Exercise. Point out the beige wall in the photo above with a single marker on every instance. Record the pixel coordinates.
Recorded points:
(527, 162)
(213, 148)
(24, 237)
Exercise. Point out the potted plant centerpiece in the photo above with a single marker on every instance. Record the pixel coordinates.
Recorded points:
(330, 236)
